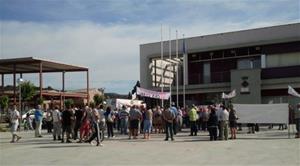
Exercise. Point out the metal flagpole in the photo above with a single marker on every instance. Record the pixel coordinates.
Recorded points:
(184, 70)
(177, 99)
(170, 56)
(161, 64)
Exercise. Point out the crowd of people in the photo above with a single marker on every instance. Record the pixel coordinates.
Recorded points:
(85, 124)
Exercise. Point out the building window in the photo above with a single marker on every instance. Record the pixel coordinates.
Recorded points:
(249, 64)
(206, 72)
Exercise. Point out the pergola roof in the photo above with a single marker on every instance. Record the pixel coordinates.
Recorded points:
(32, 65)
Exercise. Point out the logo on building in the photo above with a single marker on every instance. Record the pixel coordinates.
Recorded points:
(245, 86)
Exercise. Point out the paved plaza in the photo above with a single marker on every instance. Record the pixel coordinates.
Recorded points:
(267, 147)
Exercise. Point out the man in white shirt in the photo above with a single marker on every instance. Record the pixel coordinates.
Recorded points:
(56, 116)
(14, 119)
(224, 117)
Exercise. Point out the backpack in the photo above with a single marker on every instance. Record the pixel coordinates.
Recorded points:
(110, 118)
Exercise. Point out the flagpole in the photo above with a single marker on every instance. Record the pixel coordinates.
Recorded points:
(161, 63)
(170, 57)
(184, 69)
(177, 99)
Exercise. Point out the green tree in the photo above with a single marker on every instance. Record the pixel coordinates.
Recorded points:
(40, 101)
(98, 99)
(28, 90)
(69, 103)
(4, 102)
(3, 105)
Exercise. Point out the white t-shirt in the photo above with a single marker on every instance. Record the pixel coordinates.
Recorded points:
(14, 117)
(56, 115)
(101, 113)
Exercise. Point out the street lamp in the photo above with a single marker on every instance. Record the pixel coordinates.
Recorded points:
(20, 81)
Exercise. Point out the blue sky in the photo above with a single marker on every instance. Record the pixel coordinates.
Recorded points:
(104, 35)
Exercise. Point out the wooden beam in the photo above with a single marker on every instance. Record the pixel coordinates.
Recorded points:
(87, 87)
(41, 80)
(14, 84)
(2, 83)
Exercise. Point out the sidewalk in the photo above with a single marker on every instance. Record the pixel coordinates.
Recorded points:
(270, 147)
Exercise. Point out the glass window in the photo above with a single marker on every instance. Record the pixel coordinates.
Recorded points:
(206, 72)
(249, 63)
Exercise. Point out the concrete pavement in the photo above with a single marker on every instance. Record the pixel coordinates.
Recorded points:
(268, 147)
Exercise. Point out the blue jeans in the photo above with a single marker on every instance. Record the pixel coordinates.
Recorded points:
(124, 126)
(147, 126)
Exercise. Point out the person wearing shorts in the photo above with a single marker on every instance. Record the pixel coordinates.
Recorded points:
(14, 119)
(135, 116)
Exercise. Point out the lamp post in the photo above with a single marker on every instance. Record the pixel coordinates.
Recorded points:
(20, 81)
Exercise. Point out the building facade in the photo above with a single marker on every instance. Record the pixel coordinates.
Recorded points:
(258, 63)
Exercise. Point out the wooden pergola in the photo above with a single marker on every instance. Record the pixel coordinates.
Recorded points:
(36, 65)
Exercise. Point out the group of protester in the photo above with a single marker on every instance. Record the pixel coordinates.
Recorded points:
(91, 122)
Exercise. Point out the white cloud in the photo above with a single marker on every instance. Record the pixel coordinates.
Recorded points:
(111, 51)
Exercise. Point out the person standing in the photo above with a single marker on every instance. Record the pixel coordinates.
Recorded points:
(56, 116)
(224, 117)
(193, 118)
(95, 120)
(135, 116)
(297, 120)
(123, 115)
(175, 123)
(148, 123)
(78, 122)
(49, 120)
(179, 119)
(66, 124)
(233, 123)
(14, 119)
(212, 124)
(85, 124)
(38, 117)
(168, 116)
(205, 116)
(110, 117)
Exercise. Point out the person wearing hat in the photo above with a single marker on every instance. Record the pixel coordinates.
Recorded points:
(193, 118)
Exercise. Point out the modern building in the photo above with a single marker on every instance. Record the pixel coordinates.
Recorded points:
(258, 63)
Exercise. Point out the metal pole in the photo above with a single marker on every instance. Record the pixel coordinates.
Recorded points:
(184, 70)
(170, 57)
(177, 97)
(161, 65)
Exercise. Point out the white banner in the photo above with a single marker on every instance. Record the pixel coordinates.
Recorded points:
(232, 94)
(262, 113)
(293, 92)
(153, 94)
(127, 102)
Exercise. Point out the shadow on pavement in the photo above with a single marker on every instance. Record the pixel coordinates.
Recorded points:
(62, 146)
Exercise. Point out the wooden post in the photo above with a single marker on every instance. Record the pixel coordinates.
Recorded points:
(62, 98)
(41, 80)
(87, 86)
(2, 83)
(14, 74)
